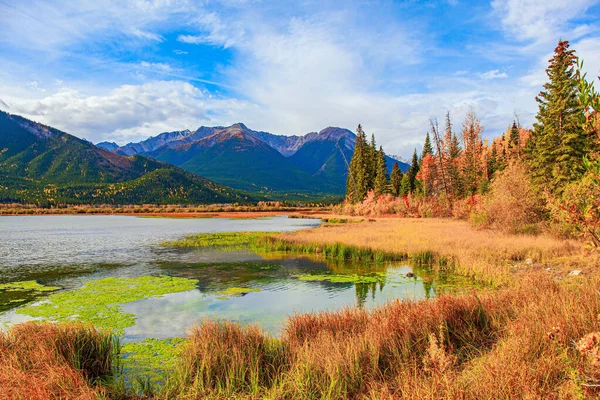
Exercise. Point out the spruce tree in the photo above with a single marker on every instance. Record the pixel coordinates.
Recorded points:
(405, 185)
(371, 163)
(396, 179)
(381, 175)
(558, 142)
(427, 149)
(515, 138)
(357, 182)
(413, 171)
(454, 152)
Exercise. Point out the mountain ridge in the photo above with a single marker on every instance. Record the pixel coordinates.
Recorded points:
(316, 161)
(41, 164)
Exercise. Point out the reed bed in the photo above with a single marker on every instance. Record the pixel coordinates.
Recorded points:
(48, 361)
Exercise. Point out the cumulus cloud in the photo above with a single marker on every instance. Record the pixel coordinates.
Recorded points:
(129, 112)
(542, 20)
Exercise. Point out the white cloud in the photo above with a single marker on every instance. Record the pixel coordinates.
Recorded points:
(493, 74)
(542, 20)
(127, 113)
(146, 35)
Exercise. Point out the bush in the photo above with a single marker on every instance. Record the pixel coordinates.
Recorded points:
(513, 204)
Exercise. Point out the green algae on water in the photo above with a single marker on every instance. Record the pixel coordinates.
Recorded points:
(222, 240)
(99, 302)
(235, 292)
(151, 359)
(15, 293)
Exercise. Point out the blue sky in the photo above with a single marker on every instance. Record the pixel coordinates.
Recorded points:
(125, 70)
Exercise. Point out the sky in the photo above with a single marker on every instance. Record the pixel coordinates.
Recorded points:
(122, 71)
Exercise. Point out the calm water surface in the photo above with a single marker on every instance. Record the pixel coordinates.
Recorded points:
(68, 251)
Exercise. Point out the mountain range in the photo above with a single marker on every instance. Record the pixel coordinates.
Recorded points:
(42, 165)
(256, 161)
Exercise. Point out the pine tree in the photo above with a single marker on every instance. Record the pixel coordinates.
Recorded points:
(427, 149)
(357, 182)
(558, 143)
(413, 171)
(381, 176)
(396, 179)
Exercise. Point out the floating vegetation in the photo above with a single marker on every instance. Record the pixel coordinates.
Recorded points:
(26, 286)
(222, 240)
(377, 277)
(15, 293)
(235, 292)
(150, 362)
(99, 302)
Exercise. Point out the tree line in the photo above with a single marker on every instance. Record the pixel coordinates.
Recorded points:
(558, 156)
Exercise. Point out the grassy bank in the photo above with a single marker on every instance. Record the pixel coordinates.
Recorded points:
(214, 210)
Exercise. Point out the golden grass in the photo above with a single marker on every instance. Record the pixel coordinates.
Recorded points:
(46, 361)
(489, 256)
(515, 343)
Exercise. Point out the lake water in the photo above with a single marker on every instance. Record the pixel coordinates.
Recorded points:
(69, 251)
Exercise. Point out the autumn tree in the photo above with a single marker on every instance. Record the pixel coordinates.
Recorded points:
(472, 171)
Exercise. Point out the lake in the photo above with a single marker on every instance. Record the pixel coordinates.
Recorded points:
(68, 252)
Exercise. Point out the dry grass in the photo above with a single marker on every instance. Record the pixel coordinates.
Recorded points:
(45, 361)
(486, 255)
(516, 343)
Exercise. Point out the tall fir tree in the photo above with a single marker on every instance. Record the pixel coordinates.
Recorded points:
(371, 163)
(381, 175)
(413, 171)
(558, 143)
(454, 153)
(358, 181)
(396, 179)
(427, 148)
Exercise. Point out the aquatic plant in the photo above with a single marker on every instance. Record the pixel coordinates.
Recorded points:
(13, 294)
(99, 302)
(235, 292)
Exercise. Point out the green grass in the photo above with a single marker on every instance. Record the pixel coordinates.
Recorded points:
(261, 242)
(99, 302)
(222, 240)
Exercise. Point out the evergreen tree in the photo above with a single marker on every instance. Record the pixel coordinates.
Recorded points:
(357, 182)
(515, 138)
(427, 149)
(405, 185)
(493, 162)
(371, 164)
(558, 143)
(413, 171)
(396, 179)
(381, 176)
(454, 153)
